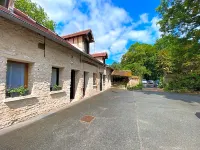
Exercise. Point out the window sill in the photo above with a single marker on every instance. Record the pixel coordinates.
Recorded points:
(13, 99)
(56, 92)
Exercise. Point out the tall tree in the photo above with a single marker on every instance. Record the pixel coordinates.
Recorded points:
(141, 60)
(180, 18)
(36, 12)
(177, 56)
(180, 23)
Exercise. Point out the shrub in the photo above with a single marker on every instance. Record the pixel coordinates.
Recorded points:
(184, 83)
(137, 87)
(161, 83)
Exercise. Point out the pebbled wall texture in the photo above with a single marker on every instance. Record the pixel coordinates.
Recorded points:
(21, 45)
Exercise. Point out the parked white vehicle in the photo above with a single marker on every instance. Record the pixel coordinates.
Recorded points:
(144, 82)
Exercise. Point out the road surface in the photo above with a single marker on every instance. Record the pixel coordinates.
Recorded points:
(123, 120)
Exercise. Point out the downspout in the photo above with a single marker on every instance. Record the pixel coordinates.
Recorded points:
(44, 46)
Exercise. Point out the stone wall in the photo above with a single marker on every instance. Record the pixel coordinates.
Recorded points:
(21, 45)
(133, 81)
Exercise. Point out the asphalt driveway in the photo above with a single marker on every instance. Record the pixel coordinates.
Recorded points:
(123, 120)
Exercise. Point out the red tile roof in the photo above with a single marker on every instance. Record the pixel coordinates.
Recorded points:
(77, 34)
(84, 32)
(20, 15)
(103, 54)
(28, 19)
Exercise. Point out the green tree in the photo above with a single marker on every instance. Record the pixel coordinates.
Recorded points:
(36, 12)
(179, 48)
(175, 55)
(180, 18)
(116, 66)
(141, 60)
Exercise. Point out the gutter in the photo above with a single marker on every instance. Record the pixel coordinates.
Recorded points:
(5, 13)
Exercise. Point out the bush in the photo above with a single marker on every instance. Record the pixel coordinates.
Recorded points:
(161, 83)
(137, 87)
(184, 83)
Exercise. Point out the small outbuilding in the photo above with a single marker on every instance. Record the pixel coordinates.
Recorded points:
(124, 78)
(120, 77)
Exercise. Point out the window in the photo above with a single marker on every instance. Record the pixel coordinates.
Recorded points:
(17, 75)
(54, 79)
(94, 79)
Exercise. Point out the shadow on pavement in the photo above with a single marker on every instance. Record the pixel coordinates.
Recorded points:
(198, 114)
(176, 96)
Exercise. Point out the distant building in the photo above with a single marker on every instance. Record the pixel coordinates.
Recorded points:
(124, 78)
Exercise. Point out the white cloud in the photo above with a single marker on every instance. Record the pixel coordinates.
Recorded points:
(117, 56)
(118, 46)
(143, 36)
(112, 26)
(58, 9)
(156, 26)
(144, 18)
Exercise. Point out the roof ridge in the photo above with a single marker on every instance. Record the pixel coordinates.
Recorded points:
(100, 52)
(80, 31)
(71, 34)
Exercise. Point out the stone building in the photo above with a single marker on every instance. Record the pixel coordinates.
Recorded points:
(52, 71)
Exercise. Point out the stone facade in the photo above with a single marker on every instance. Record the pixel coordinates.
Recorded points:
(133, 81)
(21, 45)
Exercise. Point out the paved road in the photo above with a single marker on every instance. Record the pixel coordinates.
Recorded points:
(124, 120)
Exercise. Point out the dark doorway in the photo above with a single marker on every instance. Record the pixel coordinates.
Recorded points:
(72, 85)
(119, 80)
(100, 81)
(85, 82)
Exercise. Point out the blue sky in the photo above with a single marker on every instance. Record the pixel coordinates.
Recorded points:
(116, 24)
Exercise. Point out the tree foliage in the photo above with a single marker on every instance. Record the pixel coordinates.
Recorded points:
(141, 60)
(36, 12)
(180, 18)
(179, 48)
(176, 55)
(116, 66)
